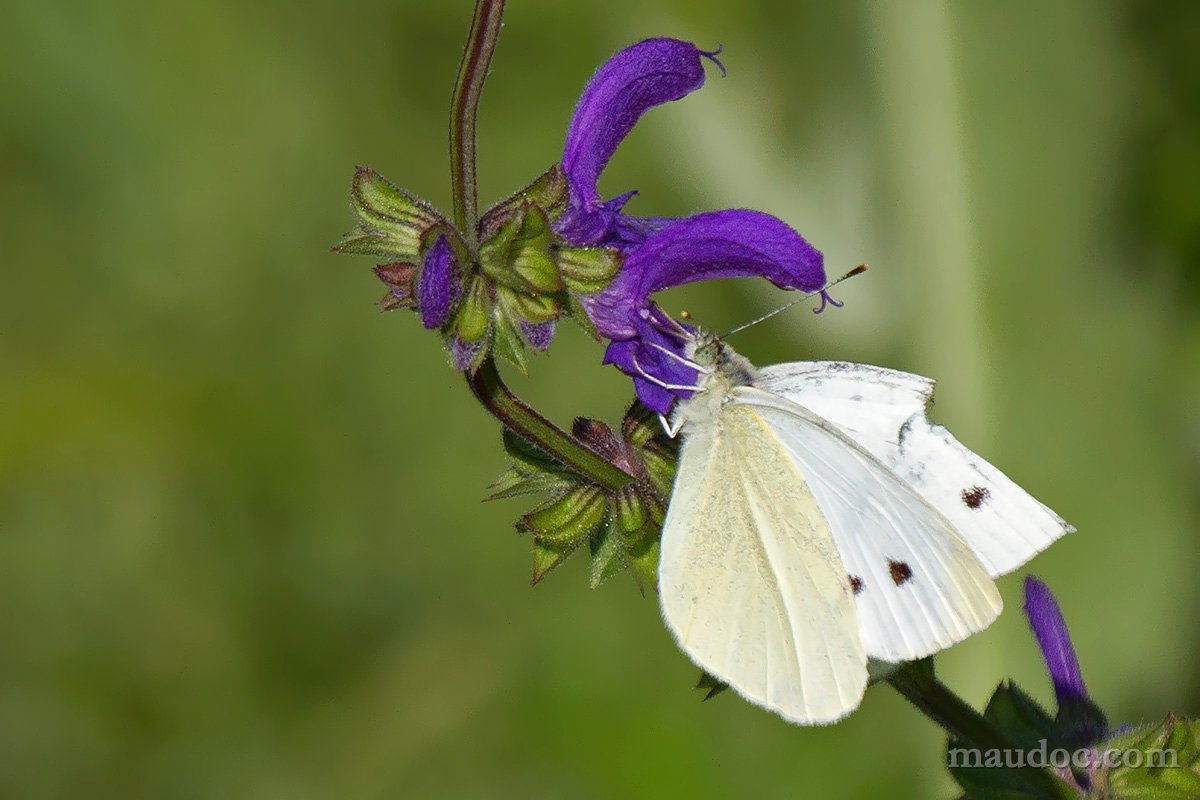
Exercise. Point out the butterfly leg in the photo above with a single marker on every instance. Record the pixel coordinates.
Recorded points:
(671, 430)
(685, 361)
(672, 387)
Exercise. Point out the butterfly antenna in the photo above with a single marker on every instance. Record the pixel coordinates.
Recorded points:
(859, 270)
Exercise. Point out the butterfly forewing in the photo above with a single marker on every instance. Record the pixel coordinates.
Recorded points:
(918, 587)
(883, 410)
(751, 582)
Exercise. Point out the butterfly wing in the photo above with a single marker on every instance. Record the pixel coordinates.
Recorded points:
(750, 581)
(884, 411)
(918, 586)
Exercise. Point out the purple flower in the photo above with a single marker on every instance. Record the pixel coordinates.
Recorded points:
(660, 252)
(1055, 642)
(1079, 721)
(643, 75)
(717, 244)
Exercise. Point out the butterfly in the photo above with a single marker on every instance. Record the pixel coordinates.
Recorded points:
(819, 519)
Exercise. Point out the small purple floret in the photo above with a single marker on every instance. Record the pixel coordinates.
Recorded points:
(463, 354)
(537, 334)
(437, 285)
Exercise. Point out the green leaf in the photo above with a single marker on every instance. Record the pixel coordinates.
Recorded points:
(571, 516)
(587, 270)
(1019, 716)
(712, 686)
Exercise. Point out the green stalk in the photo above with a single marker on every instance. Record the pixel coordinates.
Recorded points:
(937, 701)
(472, 72)
(540, 432)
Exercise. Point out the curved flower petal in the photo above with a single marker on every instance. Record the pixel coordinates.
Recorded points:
(734, 243)
(638, 357)
(437, 285)
(1055, 642)
(643, 75)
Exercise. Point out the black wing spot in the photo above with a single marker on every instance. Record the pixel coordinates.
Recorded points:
(901, 572)
(975, 497)
(856, 584)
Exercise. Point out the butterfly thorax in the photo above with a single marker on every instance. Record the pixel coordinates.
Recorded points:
(729, 369)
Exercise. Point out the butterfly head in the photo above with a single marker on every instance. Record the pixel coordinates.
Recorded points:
(723, 366)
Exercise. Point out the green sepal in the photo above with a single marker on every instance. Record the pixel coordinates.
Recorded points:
(629, 510)
(1019, 716)
(471, 322)
(530, 251)
(658, 452)
(660, 467)
(519, 254)
(640, 425)
(548, 191)
(710, 685)
(507, 341)
(607, 558)
(1170, 758)
(531, 308)
(532, 471)
(548, 555)
(587, 270)
(514, 483)
(570, 516)
(641, 556)
(579, 314)
(391, 222)
(1026, 725)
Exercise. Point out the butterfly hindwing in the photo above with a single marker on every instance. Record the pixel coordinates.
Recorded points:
(883, 410)
(750, 581)
(918, 587)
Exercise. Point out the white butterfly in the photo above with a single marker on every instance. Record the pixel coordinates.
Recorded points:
(819, 518)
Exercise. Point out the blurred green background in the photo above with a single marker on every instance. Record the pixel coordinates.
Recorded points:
(241, 548)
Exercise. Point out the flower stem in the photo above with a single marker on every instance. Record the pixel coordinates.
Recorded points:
(919, 685)
(538, 431)
(472, 72)
(486, 383)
